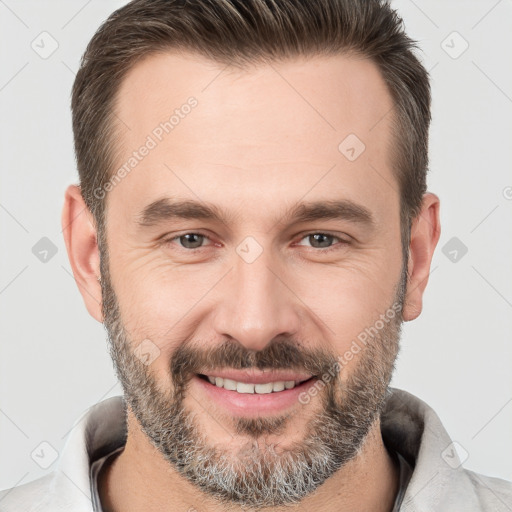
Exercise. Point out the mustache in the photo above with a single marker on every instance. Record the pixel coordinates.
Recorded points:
(279, 354)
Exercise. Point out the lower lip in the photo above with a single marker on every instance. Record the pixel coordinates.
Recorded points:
(250, 404)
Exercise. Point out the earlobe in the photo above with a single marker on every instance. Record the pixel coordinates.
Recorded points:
(425, 232)
(80, 236)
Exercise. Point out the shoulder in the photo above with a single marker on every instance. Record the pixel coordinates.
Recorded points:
(439, 480)
(28, 497)
(68, 487)
(491, 492)
(54, 492)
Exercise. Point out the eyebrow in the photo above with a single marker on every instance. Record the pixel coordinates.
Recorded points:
(166, 209)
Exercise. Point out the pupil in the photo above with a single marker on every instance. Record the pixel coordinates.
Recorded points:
(323, 239)
(189, 243)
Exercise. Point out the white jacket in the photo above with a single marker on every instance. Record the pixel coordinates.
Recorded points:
(439, 482)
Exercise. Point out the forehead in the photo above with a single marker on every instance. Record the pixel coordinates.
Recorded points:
(277, 130)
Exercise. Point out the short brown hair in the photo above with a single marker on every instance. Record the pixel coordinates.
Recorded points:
(239, 32)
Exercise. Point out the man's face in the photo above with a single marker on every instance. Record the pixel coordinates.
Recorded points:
(263, 287)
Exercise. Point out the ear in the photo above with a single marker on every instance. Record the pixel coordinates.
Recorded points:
(79, 231)
(425, 232)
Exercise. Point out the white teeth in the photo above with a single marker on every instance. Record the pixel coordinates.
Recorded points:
(244, 387)
(230, 384)
(263, 389)
(278, 386)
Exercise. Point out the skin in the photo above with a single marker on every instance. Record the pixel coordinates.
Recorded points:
(259, 141)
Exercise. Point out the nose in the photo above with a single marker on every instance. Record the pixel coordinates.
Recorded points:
(255, 304)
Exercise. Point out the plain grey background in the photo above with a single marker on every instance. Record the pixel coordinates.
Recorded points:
(457, 356)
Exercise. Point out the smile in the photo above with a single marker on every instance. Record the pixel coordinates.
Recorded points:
(248, 387)
(253, 392)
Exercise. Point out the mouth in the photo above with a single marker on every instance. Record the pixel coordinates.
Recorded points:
(262, 388)
(249, 394)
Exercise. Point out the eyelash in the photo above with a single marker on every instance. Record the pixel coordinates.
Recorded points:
(340, 240)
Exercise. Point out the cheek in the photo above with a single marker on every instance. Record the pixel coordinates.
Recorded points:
(347, 300)
(153, 289)
(161, 302)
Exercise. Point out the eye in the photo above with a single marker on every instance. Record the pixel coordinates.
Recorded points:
(188, 240)
(317, 240)
(324, 241)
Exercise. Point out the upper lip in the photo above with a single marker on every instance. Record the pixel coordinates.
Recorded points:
(258, 376)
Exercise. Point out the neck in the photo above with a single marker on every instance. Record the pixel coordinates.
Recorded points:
(141, 479)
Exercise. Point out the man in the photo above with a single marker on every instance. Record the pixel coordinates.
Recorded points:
(252, 226)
